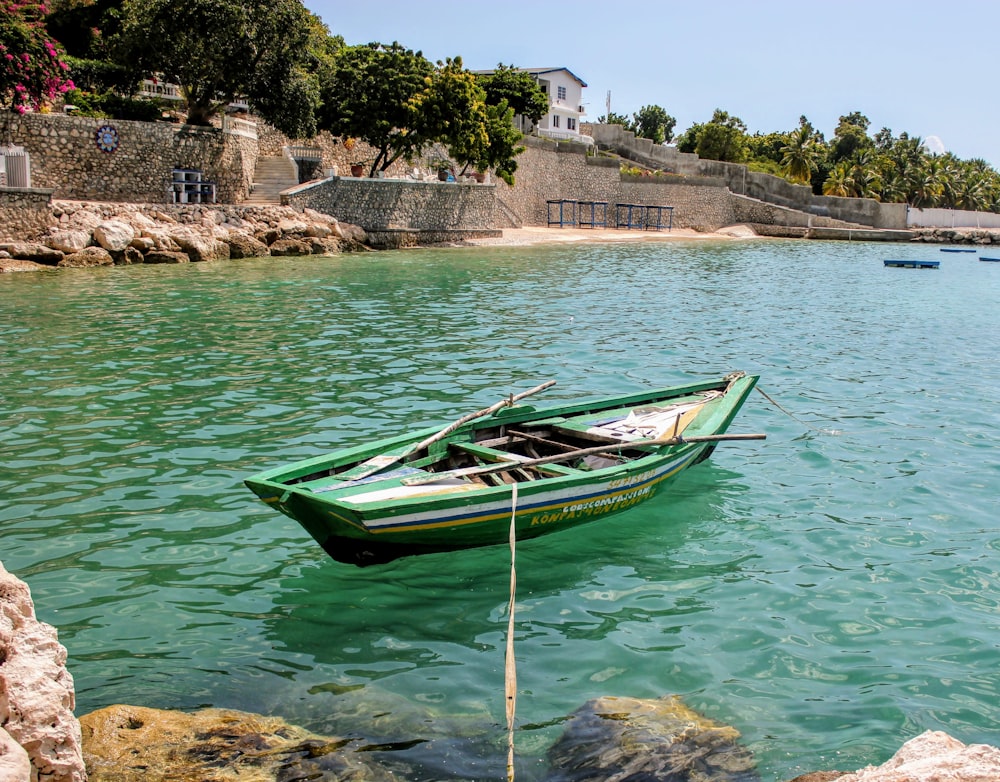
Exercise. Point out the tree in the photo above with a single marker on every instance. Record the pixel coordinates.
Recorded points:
(518, 88)
(504, 143)
(220, 50)
(723, 138)
(84, 27)
(850, 137)
(32, 70)
(800, 154)
(654, 123)
(616, 119)
(452, 110)
(370, 93)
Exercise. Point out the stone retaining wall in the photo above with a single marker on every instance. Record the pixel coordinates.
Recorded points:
(65, 157)
(550, 171)
(394, 204)
(25, 213)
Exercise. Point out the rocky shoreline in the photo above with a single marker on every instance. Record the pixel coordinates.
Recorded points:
(611, 737)
(88, 233)
(977, 236)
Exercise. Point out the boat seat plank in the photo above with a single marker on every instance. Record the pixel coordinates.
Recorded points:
(495, 455)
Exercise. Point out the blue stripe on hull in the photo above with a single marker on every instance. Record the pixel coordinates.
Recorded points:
(605, 497)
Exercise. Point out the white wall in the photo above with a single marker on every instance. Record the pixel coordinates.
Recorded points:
(950, 218)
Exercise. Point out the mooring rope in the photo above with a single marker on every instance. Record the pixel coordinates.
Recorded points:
(797, 419)
(510, 670)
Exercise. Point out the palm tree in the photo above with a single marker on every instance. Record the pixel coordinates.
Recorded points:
(840, 181)
(926, 184)
(800, 154)
(866, 174)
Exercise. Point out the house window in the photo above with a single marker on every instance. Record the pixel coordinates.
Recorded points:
(570, 123)
(561, 93)
(555, 120)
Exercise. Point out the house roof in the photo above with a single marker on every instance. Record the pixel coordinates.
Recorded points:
(538, 72)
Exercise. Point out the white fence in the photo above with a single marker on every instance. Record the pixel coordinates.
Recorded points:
(239, 127)
(950, 218)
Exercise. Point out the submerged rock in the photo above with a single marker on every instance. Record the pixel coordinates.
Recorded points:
(135, 744)
(653, 740)
(88, 256)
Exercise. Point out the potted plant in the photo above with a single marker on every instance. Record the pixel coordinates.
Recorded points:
(358, 169)
(444, 167)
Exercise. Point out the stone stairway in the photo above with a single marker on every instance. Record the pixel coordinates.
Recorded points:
(272, 175)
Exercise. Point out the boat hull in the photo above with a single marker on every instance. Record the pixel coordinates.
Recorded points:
(378, 519)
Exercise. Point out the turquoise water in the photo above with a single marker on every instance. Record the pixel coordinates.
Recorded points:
(830, 592)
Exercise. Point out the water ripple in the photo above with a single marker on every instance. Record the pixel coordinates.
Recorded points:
(828, 594)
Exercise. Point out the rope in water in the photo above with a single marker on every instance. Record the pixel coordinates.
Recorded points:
(795, 418)
(510, 672)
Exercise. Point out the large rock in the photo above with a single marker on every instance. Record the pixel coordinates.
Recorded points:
(243, 246)
(201, 248)
(36, 690)
(166, 256)
(88, 256)
(69, 241)
(291, 247)
(128, 256)
(8, 264)
(15, 765)
(114, 235)
(161, 240)
(134, 744)
(30, 251)
(292, 228)
(934, 756)
(657, 740)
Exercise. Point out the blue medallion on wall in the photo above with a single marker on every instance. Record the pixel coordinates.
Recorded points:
(107, 138)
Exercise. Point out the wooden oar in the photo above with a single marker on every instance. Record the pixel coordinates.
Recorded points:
(378, 463)
(420, 480)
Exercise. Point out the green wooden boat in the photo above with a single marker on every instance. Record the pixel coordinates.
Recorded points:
(550, 469)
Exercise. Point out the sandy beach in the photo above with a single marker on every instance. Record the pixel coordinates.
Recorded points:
(547, 235)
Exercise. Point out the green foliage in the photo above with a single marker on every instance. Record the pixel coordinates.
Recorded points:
(32, 71)
(654, 123)
(519, 89)
(373, 93)
(724, 138)
(851, 137)
(111, 104)
(767, 147)
(100, 76)
(800, 155)
(452, 110)
(220, 50)
(616, 119)
(504, 143)
(84, 27)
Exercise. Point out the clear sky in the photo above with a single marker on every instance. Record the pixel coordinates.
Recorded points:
(926, 68)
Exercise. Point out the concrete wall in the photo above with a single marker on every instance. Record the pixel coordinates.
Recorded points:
(765, 187)
(65, 157)
(951, 218)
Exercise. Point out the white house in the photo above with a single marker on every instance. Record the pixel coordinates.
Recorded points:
(566, 111)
